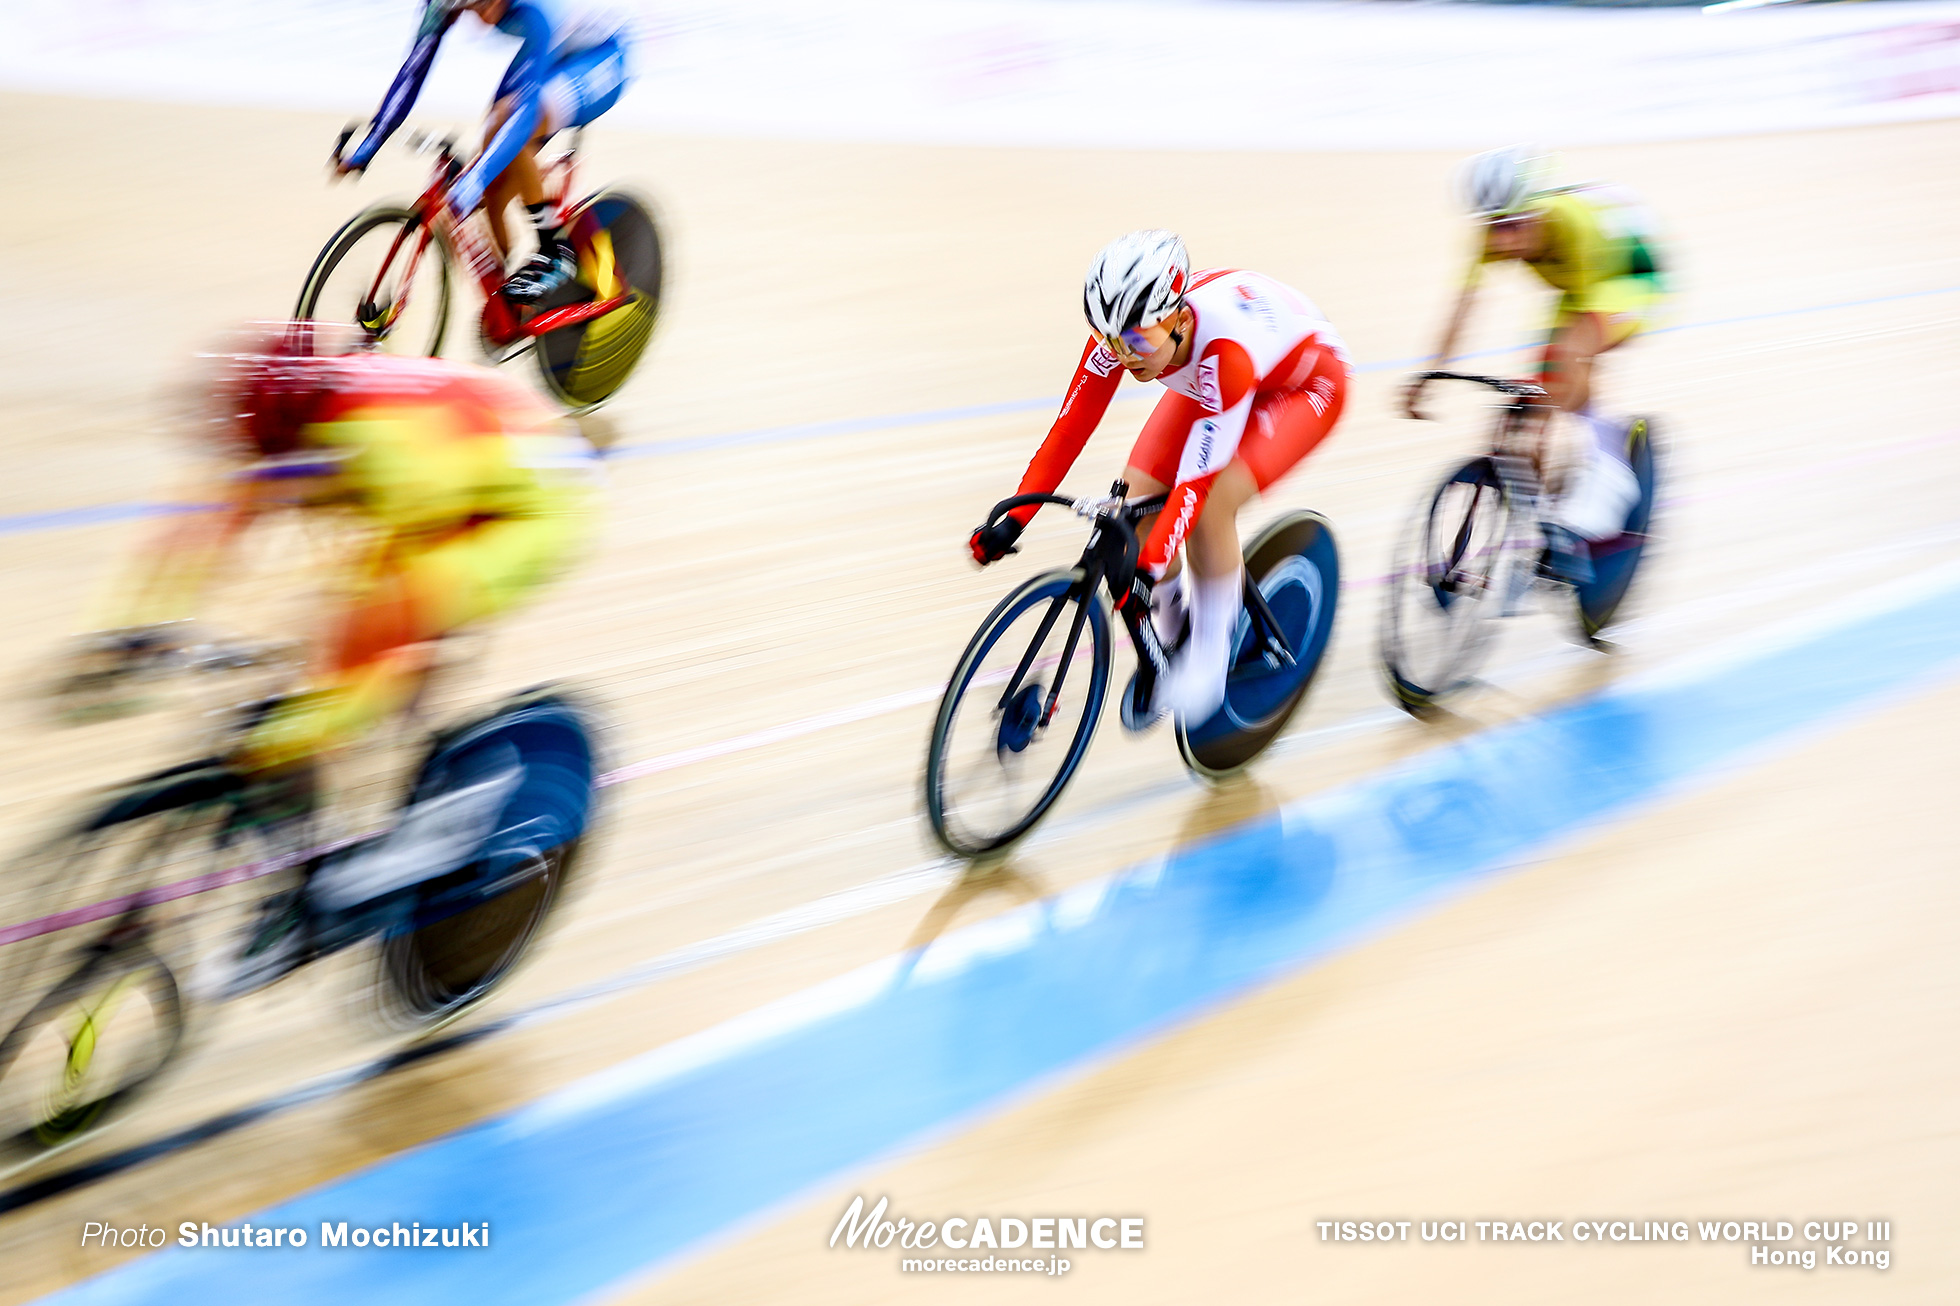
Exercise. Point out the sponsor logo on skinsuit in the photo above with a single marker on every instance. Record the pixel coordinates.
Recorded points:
(1187, 508)
(1256, 306)
(1207, 385)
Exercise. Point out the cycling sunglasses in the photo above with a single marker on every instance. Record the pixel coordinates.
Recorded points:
(1130, 344)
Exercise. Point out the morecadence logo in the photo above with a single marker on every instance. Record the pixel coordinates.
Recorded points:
(879, 1229)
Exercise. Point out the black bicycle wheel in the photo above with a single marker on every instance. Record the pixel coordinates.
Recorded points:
(1297, 568)
(92, 1043)
(451, 961)
(1616, 561)
(1018, 713)
(369, 275)
(618, 244)
(1451, 582)
(465, 932)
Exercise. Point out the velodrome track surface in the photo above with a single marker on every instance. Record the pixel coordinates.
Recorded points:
(1725, 997)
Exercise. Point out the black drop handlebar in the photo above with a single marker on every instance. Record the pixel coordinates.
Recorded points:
(443, 147)
(1515, 389)
(1133, 511)
(1118, 553)
(1006, 506)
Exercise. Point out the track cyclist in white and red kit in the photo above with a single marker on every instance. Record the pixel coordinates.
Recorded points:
(1256, 379)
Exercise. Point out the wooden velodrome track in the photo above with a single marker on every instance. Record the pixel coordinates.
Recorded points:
(1737, 1003)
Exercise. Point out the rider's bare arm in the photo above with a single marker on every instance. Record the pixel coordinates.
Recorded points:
(1481, 252)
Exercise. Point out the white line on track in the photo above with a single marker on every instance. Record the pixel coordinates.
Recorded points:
(774, 734)
(931, 876)
(927, 693)
(940, 873)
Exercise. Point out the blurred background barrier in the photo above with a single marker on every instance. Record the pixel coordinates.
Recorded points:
(1248, 75)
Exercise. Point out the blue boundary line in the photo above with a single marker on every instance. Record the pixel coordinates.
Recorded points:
(621, 1173)
(63, 519)
(27, 523)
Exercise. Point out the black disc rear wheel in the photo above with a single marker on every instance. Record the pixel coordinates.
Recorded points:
(452, 959)
(1297, 569)
(1616, 561)
(619, 250)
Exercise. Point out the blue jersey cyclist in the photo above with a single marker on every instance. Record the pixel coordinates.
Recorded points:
(570, 69)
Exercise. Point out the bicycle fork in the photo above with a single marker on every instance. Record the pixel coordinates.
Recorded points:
(1054, 696)
(1519, 497)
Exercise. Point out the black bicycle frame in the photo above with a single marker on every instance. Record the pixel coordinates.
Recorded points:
(1110, 557)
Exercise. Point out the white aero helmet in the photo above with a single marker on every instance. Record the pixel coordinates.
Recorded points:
(1502, 182)
(1137, 280)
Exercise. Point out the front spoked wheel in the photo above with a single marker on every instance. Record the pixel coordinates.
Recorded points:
(388, 274)
(86, 1049)
(90, 1009)
(1458, 571)
(1018, 713)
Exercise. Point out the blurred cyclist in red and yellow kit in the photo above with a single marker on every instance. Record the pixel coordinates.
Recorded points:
(473, 493)
(1256, 379)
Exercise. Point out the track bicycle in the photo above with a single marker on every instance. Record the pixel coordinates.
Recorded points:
(389, 271)
(99, 925)
(1007, 738)
(1472, 553)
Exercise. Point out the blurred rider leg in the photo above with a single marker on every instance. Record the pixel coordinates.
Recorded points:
(578, 90)
(1600, 487)
(1205, 597)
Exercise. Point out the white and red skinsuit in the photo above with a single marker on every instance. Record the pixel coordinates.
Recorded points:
(1266, 381)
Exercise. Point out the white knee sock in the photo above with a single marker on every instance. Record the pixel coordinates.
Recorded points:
(1215, 605)
(1601, 489)
(1196, 683)
(1170, 609)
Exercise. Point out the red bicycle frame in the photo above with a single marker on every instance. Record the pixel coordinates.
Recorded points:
(504, 323)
